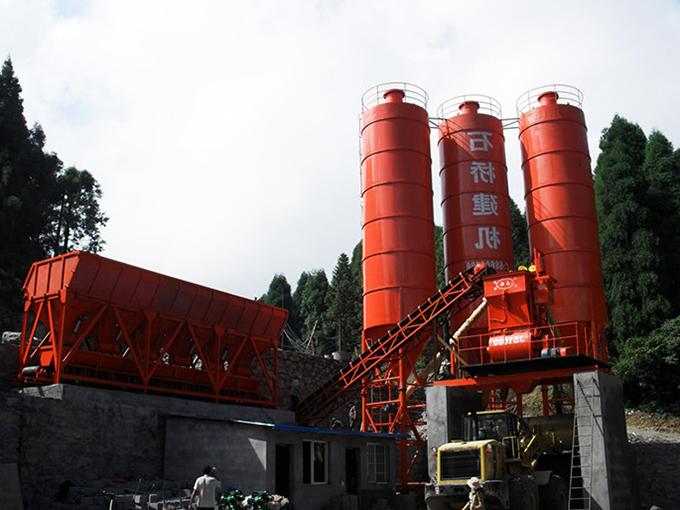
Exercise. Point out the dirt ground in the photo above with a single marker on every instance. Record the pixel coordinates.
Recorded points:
(652, 422)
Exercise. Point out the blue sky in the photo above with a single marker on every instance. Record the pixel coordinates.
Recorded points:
(224, 134)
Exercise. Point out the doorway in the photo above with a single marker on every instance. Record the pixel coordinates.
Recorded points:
(284, 469)
(352, 470)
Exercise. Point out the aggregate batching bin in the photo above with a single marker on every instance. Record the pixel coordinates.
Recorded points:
(560, 201)
(398, 224)
(94, 320)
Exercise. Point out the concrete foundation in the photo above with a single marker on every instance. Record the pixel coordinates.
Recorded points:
(603, 441)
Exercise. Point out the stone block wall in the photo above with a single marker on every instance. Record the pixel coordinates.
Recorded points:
(83, 435)
(657, 467)
(311, 372)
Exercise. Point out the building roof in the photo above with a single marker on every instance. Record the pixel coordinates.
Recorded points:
(283, 427)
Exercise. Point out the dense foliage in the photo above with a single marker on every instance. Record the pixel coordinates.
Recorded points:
(44, 209)
(520, 235)
(630, 242)
(637, 186)
(650, 367)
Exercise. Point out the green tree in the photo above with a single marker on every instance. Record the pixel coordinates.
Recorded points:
(313, 309)
(295, 320)
(358, 278)
(27, 190)
(662, 172)
(342, 301)
(44, 209)
(76, 218)
(439, 256)
(278, 293)
(520, 235)
(650, 366)
(630, 261)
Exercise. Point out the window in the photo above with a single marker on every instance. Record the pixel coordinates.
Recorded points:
(314, 462)
(378, 463)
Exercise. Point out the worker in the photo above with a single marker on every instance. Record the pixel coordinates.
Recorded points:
(352, 416)
(476, 495)
(206, 488)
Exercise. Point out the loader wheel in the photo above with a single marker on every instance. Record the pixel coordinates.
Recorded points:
(523, 493)
(554, 495)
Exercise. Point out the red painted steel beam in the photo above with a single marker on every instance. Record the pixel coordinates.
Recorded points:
(520, 381)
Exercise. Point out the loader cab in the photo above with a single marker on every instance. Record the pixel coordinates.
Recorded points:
(501, 426)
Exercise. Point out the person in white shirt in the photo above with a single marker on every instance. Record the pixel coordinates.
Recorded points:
(206, 487)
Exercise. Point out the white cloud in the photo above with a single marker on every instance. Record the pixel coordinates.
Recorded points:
(224, 134)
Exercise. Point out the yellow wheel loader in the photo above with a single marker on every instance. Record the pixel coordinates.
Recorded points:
(521, 464)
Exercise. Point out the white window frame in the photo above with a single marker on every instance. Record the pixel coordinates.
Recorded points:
(372, 463)
(310, 460)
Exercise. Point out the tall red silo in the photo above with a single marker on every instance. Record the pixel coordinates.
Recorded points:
(474, 183)
(560, 202)
(396, 188)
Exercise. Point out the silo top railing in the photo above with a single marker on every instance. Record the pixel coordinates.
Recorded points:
(376, 95)
(451, 107)
(566, 94)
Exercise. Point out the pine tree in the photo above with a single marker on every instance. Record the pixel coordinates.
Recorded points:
(295, 320)
(662, 173)
(313, 310)
(27, 192)
(358, 279)
(439, 256)
(342, 301)
(44, 209)
(76, 218)
(630, 261)
(278, 293)
(520, 235)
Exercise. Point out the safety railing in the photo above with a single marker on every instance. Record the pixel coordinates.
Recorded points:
(566, 94)
(574, 336)
(376, 95)
(487, 105)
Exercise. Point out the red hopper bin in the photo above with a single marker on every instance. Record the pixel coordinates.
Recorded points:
(94, 320)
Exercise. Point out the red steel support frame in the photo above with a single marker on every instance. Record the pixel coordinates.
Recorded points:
(388, 360)
(388, 352)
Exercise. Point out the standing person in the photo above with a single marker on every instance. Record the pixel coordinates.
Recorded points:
(206, 487)
(352, 416)
(475, 496)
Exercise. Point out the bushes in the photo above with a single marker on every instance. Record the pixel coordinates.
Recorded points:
(650, 367)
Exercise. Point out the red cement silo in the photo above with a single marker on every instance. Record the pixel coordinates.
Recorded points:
(475, 199)
(560, 201)
(396, 188)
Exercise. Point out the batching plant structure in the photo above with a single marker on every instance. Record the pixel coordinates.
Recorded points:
(398, 239)
(545, 324)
